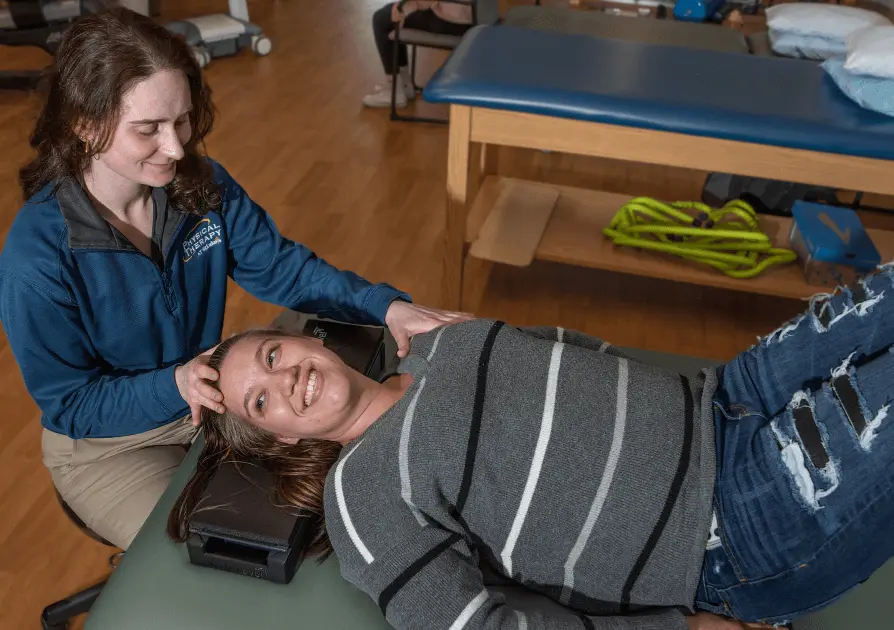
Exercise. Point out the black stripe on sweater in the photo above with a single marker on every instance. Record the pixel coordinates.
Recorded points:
(478, 411)
(588, 623)
(410, 572)
(673, 493)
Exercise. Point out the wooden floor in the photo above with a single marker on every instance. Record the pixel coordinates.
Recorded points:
(367, 195)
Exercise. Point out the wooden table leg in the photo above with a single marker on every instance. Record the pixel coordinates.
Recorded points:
(483, 161)
(458, 185)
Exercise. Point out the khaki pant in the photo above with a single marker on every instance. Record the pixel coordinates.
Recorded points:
(112, 484)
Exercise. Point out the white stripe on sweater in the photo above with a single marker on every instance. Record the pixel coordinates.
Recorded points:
(434, 345)
(611, 464)
(560, 334)
(546, 427)
(470, 609)
(406, 490)
(522, 620)
(343, 509)
(404, 457)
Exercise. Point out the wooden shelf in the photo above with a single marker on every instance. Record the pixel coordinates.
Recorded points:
(573, 236)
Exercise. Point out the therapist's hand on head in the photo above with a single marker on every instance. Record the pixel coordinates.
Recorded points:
(405, 320)
(192, 381)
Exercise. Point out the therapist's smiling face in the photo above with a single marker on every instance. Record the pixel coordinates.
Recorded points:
(293, 387)
(152, 131)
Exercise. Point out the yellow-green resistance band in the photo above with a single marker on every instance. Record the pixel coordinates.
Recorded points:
(727, 238)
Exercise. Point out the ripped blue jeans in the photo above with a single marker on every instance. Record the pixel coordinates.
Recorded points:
(804, 499)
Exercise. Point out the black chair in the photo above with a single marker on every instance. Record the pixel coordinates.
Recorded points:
(34, 23)
(483, 12)
(57, 615)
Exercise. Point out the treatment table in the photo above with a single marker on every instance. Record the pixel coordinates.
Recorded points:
(540, 88)
(156, 588)
(599, 24)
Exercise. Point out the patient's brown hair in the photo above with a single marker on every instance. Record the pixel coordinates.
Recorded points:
(300, 470)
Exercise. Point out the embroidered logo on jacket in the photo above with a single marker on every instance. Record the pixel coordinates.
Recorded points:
(200, 239)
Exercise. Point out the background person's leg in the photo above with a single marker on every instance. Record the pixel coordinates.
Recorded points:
(383, 28)
(113, 484)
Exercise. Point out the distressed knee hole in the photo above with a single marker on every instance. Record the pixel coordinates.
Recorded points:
(782, 332)
(807, 429)
(864, 298)
(849, 400)
(804, 453)
(853, 406)
(823, 313)
(860, 292)
(827, 309)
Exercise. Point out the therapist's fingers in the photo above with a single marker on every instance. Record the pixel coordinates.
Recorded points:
(454, 316)
(210, 394)
(195, 411)
(205, 372)
(403, 342)
(210, 403)
(196, 405)
(204, 394)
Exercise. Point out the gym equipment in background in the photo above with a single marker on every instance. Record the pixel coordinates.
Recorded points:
(713, 10)
(696, 10)
(728, 239)
(38, 23)
(222, 34)
(766, 196)
(834, 247)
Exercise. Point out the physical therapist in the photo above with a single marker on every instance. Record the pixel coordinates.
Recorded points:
(114, 274)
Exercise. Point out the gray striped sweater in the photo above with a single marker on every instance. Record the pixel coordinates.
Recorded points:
(545, 454)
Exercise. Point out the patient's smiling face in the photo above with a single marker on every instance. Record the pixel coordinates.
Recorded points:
(291, 386)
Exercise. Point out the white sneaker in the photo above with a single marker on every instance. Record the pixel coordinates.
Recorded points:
(381, 97)
(407, 83)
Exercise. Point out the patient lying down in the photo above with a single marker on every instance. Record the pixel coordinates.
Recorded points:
(581, 474)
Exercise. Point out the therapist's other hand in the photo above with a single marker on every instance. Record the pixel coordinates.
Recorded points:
(405, 320)
(192, 382)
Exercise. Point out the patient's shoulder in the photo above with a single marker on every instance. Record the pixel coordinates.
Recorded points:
(364, 509)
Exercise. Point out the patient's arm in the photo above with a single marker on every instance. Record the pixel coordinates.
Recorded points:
(430, 579)
(572, 337)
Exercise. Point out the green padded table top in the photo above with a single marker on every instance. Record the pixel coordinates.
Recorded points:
(156, 588)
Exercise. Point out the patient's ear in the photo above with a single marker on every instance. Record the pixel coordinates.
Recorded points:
(287, 440)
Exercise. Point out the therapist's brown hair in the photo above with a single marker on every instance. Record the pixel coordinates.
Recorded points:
(100, 58)
(299, 469)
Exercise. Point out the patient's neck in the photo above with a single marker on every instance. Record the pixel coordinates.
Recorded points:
(378, 398)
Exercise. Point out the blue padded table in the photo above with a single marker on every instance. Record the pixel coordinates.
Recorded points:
(651, 103)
